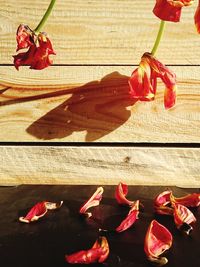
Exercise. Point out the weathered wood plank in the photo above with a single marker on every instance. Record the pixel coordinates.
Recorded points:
(106, 31)
(92, 104)
(83, 165)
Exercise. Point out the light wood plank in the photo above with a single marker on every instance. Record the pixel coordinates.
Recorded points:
(106, 31)
(92, 104)
(83, 165)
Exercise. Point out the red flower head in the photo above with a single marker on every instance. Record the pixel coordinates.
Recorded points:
(157, 240)
(39, 48)
(170, 10)
(98, 253)
(143, 81)
(197, 18)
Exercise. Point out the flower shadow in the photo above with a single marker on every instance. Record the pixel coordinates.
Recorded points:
(97, 108)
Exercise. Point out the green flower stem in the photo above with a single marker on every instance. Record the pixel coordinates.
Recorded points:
(45, 17)
(158, 38)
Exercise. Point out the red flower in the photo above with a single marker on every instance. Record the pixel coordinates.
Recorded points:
(158, 239)
(39, 48)
(143, 81)
(197, 18)
(121, 193)
(97, 254)
(92, 202)
(39, 210)
(170, 10)
(183, 217)
(130, 219)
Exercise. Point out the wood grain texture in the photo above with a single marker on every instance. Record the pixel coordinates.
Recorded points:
(101, 32)
(92, 104)
(76, 165)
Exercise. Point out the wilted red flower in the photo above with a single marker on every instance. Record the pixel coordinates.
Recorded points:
(39, 210)
(92, 202)
(39, 48)
(143, 81)
(121, 193)
(158, 239)
(130, 218)
(170, 10)
(183, 217)
(97, 254)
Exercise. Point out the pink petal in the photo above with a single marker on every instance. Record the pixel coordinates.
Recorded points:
(158, 239)
(92, 202)
(98, 253)
(120, 194)
(130, 219)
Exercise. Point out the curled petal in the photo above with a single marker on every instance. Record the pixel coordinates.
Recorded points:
(130, 219)
(97, 254)
(121, 193)
(197, 18)
(162, 203)
(39, 210)
(170, 97)
(23, 37)
(158, 239)
(183, 217)
(92, 202)
(191, 200)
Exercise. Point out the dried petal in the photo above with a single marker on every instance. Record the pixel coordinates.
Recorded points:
(121, 193)
(92, 202)
(23, 37)
(162, 203)
(183, 217)
(97, 254)
(39, 210)
(158, 239)
(130, 219)
(191, 200)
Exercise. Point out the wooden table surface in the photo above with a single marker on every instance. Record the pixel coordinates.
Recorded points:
(83, 97)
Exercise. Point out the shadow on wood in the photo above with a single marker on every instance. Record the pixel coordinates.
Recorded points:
(98, 108)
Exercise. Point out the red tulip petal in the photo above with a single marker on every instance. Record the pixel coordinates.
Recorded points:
(170, 10)
(191, 200)
(37, 211)
(158, 239)
(183, 216)
(23, 36)
(121, 193)
(197, 18)
(53, 205)
(92, 202)
(98, 253)
(130, 219)
(162, 203)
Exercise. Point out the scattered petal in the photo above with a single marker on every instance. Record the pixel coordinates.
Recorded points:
(191, 200)
(158, 239)
(39, 210)
(97, 254)
(162, 203)
(130, 219)
(121, 193)
(92, 202)
(183, 218)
